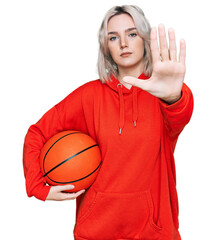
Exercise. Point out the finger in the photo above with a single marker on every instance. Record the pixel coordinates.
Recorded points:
(135, 82)
(154, 46)
(172, 45)
(63, 188)
(77, 194)
(182, 52)
(163, 43)
(72, 196)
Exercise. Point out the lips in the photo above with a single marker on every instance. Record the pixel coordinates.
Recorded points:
(126, 54)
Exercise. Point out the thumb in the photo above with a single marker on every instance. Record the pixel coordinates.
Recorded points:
(134, 81)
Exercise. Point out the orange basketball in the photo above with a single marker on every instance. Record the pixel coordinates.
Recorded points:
(70, 157)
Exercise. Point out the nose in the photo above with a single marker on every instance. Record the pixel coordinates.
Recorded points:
(123, 43)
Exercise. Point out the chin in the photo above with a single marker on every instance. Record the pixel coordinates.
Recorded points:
(129, 65)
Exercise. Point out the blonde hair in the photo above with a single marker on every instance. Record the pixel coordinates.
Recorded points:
(106, 65)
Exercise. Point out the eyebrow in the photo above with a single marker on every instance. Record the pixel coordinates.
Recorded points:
(127, 30)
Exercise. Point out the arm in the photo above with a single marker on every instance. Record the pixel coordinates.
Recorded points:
(166, 81)
(68, 114)
(178, 114)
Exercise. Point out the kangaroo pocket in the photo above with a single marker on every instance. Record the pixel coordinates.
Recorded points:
(118, 216)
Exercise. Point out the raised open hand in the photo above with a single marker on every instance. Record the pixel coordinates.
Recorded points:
(168, 73)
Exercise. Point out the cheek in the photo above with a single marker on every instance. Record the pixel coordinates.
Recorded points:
(112, 50)
(139, 45)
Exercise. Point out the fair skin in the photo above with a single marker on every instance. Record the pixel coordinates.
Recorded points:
(58, 193)
(125, 46)
(126, 49)
(168, 73)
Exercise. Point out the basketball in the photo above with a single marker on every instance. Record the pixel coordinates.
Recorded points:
(70, 157)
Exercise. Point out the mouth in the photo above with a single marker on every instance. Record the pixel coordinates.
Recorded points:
(126, 54)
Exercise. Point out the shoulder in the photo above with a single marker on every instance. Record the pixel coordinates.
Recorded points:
(92, 85)
(88, 87)
(83, 94)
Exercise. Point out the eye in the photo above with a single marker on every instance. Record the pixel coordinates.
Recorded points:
(113, 38)
(132, 34)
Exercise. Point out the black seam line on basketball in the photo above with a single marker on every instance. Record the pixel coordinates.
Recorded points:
(77, 179)
(69, 159)
(54, 144)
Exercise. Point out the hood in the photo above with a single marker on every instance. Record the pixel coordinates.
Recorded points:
(116, 86)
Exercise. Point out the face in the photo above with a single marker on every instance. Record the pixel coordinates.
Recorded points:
(124, 43)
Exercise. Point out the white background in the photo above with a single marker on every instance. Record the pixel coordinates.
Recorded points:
(49, 48)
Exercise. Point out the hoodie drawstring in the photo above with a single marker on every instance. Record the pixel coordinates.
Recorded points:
(135, 106)
(121, 107)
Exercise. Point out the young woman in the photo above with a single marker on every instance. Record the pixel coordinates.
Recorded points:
(135, 112)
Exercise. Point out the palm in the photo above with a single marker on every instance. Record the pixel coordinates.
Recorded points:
(168, 73)
(167, 79)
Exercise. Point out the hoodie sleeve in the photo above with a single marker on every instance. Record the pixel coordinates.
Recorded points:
(178, 114)
(66, 115)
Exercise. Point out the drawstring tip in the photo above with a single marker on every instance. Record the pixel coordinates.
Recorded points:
(134, 123)
(120, 131)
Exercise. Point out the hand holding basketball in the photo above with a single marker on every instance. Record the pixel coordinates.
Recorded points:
(57, 193)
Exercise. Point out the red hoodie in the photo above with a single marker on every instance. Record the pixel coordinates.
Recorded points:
(134, 195)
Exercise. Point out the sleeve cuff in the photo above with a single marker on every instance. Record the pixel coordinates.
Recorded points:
(177, 105)
(40, 192)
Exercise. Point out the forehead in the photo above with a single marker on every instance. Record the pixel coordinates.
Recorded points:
(120, 22)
